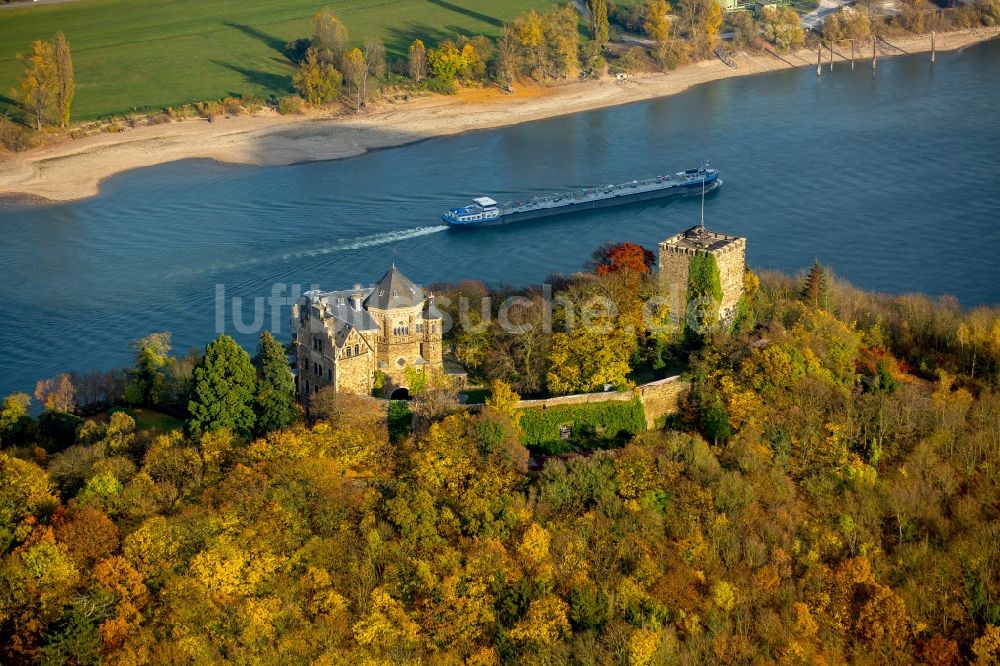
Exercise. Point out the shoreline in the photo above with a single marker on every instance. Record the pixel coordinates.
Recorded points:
(74, 169)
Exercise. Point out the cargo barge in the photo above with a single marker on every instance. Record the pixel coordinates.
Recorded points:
(485, 211)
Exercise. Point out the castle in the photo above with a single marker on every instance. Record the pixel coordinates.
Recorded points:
(348, 339)
(353, 338)
(677, 251)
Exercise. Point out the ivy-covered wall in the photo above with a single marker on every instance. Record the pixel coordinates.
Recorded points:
(591, 422)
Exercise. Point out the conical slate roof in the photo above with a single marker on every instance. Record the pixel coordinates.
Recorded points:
(394, 290)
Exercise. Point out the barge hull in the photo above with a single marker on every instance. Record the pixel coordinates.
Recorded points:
(625, 199)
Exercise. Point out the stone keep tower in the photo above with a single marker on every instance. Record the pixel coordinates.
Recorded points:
(676, 253)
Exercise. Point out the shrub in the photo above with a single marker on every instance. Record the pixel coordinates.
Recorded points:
(182, 112)
(400, 419)
(633, 60)
(233, 106)
(13, 137)
(159, 119)
(290, 104)
(251, 103)
(596, 421)
(209, 110)
(439, 86)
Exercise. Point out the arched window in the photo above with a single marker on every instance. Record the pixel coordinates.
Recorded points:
(348, 352)
(433, 328)
(357, 350)
(329, 374)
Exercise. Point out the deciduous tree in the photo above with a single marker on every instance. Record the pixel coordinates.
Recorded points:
(64, 71)
(782, 27)
(416, 61)
(318, 82)
(657, 27)
(329, 33)
(39, 88)
(600, 29)
(57, 394)
(356, 77)
(146, 380)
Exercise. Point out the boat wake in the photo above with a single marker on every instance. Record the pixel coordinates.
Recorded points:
(366, 241)
(358, 243)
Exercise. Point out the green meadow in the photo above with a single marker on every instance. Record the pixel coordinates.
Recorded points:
(142, 55)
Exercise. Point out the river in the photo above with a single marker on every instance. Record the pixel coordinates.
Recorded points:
(891, 179)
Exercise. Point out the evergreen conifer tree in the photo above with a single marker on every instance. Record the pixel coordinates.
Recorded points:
(224, 390)
(275, 389)
(814, 291)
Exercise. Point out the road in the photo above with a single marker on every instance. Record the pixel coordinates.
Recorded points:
(815, 18)
(12, 5)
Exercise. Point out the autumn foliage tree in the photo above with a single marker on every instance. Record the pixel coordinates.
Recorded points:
(416, 61)
(600, 29)
(57, 394)
(622, 257)
(317, 81)
(657, 27)
(46, 88)
(38, 89)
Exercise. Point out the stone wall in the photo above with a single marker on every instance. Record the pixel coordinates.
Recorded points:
(355, 374)
(577, 399)
(658, 398)
(661, 398)
(732, 263)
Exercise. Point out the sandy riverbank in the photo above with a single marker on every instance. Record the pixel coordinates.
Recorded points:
(74, 169)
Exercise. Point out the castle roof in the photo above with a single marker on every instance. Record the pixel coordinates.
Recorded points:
(394, 290)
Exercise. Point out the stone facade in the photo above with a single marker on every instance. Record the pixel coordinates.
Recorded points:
(342, 338)
(677, 251)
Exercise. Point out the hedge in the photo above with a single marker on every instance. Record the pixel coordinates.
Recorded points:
(598, 420)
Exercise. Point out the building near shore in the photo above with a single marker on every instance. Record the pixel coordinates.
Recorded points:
(354, 339)
(729, 253)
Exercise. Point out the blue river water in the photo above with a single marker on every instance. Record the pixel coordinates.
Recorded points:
(892, 179)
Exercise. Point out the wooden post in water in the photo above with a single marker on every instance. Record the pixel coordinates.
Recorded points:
(874, 54)
(852, 55)
(819, 61)
(831, 57)
(933, 35)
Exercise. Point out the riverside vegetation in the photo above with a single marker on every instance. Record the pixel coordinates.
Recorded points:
(329, 70)
(827, 493)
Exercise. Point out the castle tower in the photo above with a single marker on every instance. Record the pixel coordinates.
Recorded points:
(675, 258)
(343, 338)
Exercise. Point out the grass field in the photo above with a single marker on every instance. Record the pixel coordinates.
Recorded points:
(147, 419)
(135, 54)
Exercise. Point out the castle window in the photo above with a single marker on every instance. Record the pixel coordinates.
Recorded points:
(348, 352)
(329, 375)
(357, 350)
(433, 328)
(307, 387)
(420, 328)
